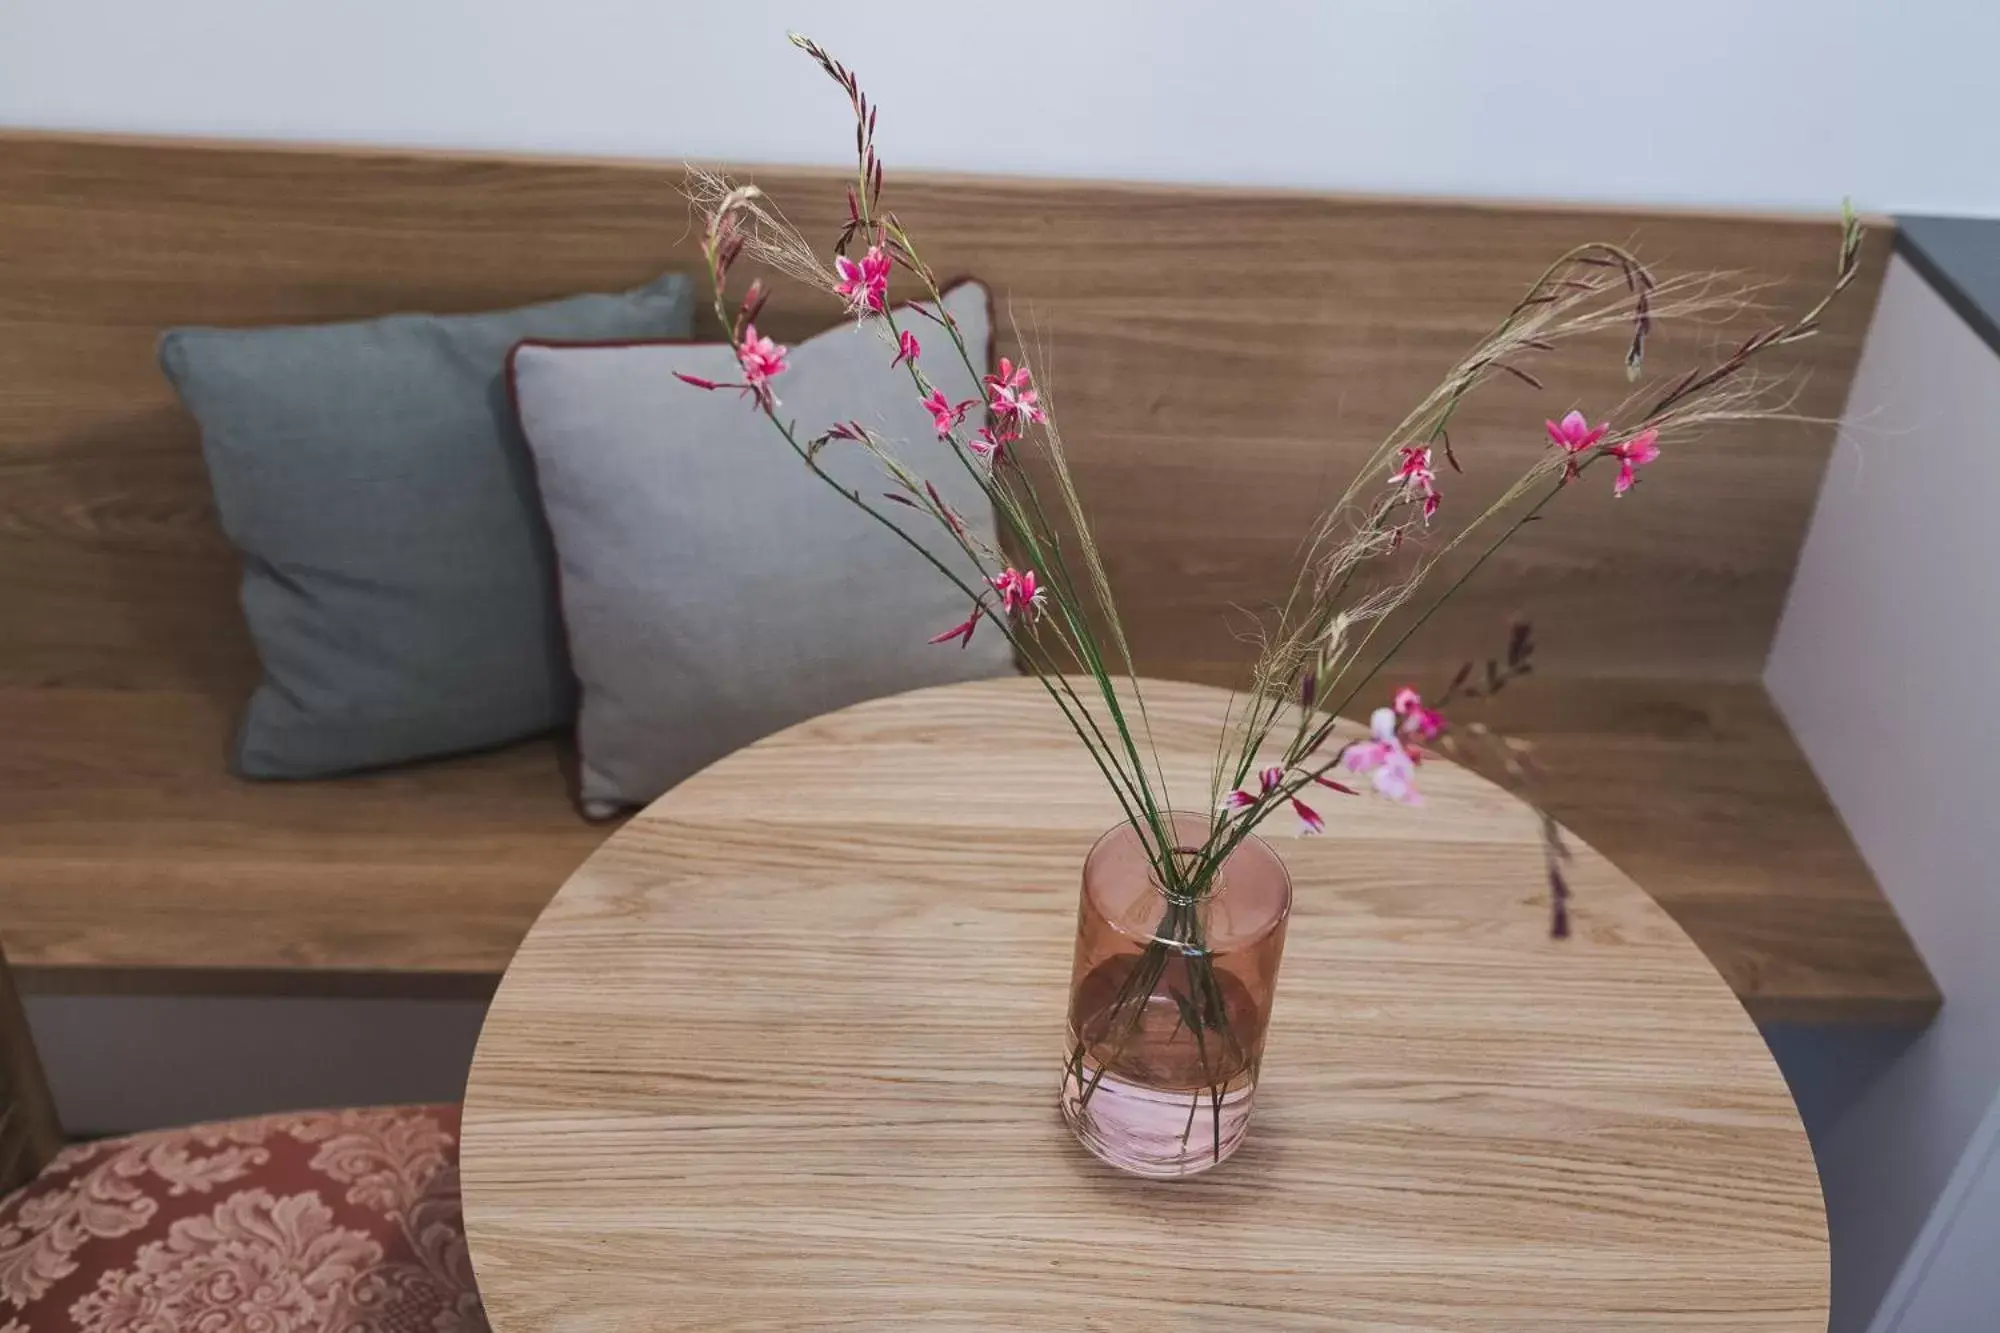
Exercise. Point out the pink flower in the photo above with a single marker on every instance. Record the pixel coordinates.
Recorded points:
(1417, 720)
(1632, 455)
(865, 285)
(1414, 472)
(1019, 596)
(991, 447)
(1573, 435)
(946, 414)
(1011, 395)
(907, 348)
(961, 632)
(762, 361)
(1415, 466)
(1268, 781)
(1386, 760)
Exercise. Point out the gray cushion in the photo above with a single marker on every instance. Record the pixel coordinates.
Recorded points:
(714, 590)
(397, 578)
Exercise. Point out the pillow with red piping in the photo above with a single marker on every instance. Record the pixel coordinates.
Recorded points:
(714, 590)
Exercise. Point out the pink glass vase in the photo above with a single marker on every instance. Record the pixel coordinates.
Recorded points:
(1170, 996)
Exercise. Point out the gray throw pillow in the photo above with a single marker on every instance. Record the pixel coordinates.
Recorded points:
(397, 578)
(714, 590)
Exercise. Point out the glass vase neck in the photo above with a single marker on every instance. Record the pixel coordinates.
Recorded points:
(1192, 881)
(1241, 900)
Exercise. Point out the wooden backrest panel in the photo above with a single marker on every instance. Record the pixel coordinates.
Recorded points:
(1220, 359)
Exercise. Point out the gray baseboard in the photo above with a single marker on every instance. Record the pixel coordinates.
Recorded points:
(119, 1063)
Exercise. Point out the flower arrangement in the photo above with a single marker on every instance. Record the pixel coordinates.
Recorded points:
(1283, 753)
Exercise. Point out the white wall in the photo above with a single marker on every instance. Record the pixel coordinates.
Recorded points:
(1790, 103)
(1948, 1282)
(1885, 666)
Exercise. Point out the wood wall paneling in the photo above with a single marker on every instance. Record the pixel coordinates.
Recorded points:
(1220, 360)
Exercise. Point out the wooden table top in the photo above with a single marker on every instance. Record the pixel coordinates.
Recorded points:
(784, 1054)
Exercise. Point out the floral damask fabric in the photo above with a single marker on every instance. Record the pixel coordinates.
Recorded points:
(323, 1222)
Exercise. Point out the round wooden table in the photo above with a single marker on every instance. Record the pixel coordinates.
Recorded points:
(784, 1055)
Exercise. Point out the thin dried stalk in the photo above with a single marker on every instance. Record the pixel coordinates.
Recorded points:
(769, 239)
(1369, 556)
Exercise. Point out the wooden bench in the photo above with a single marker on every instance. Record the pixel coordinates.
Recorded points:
(1220, 359)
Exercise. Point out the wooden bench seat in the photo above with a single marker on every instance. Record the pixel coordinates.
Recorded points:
(1222, 361)
(129, 858)
(1698, 791)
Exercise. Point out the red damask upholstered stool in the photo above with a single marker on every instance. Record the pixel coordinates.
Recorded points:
(311, 1223)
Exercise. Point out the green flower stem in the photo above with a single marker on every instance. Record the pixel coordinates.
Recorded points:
(1240, 827)
(1204, 1012)
(1100, 583)
(1106, 763)
(1050, 560)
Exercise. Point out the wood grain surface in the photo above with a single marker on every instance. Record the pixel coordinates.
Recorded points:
(125, 847)
(129, 859)
(783, 1055)
(1697, 790)
(1220, 359)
